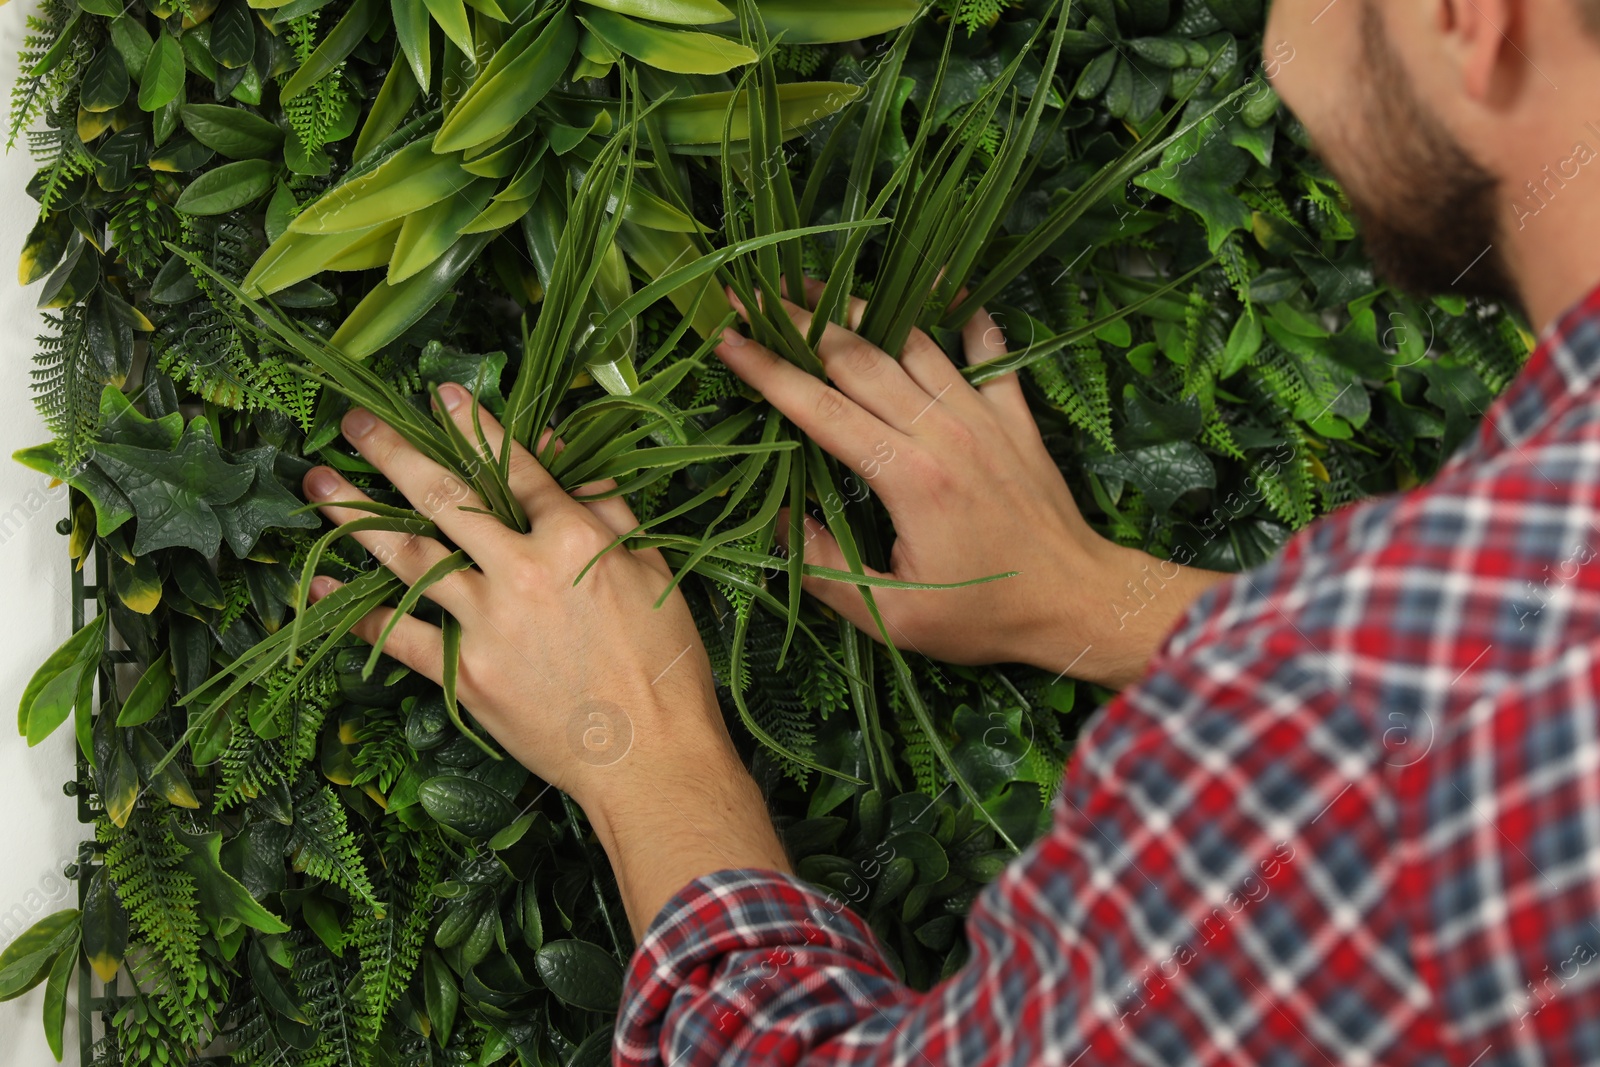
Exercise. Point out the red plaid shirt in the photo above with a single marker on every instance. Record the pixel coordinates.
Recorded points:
(1351, 815)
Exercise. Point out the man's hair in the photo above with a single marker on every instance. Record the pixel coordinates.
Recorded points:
(1590, 10)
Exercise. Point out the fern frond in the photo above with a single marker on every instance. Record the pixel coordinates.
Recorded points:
(144, 861)
(321, 844)
(66, 387)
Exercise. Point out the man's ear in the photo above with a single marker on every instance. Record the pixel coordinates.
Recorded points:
(1481, 37)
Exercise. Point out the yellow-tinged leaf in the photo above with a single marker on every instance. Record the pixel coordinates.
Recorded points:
(678, 12)
(426, 235)
(294, 257)
(500, 97)
(830, 22)
(377, 797)
(679, 51)
(407, 181)
(122, 787)
(199, 11)
(83, 528)
(92, 124)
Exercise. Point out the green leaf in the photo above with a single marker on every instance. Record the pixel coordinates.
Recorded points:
(232, 131)
(466, 805)
(149, 696)
(55, 998)
(339, 43)
(1162, 473)
(222, 896)
(440, 996)
(105, 926)
(174, 493)
(680, 12)
(132, 42)
(52, 692)
(830, 22)
(698, 120)
(500, 97)
(265, 505)
(428, 234)
(105, 81)
(451, 15)
(411, 25)
(227, 188)
(389, 310)
(406, 182)
(233, 34)
(581, 973)
(27, 960)
(680, 51)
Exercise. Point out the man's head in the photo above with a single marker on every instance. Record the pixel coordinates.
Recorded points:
(1436, 115)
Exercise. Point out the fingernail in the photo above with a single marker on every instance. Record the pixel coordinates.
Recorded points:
(453, 395)
(321, 482)
(359, 423)
(731, 337)
(321, 586)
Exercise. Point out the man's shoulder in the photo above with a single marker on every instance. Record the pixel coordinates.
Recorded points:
(1476, 576)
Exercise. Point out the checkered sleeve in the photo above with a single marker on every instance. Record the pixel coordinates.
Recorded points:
(1213, 884)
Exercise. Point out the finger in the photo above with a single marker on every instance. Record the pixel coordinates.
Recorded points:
(437, 493)
(530, 483)
(855, 308)
(862, 371)
(984, 340)
(834, 421)
(613, 512)
(820, 549)
(417, 644)
(407, 555)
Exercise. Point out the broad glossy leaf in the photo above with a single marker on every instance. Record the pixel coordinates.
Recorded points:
(499, 98)
(179, 155)
(387, 311)
(266, 504)
(105, 81)
(427, 234)
(466, 805)
(55, 998)
(233, 34)
(407, 181)
(679, 12)
(227, 188)
(173, 493)
(1162, 473)
(679, 51)
(233, 131)
(132, 41)
(581, 973)
(45, 246)
(27, 960)
(440, 995)
(105, 926)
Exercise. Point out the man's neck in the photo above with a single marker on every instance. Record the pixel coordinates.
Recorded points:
(1552, 225)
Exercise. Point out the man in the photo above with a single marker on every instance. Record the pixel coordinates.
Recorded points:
(1347, 809)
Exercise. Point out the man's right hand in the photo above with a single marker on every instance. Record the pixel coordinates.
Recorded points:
(972, 490)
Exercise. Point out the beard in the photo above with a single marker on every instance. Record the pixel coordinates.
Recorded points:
(1427, 209)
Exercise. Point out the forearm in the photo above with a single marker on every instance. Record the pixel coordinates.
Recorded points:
(677, 815)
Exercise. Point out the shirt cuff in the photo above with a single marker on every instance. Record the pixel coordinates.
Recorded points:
(768, 920)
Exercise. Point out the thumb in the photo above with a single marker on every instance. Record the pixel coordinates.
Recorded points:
(819, 548)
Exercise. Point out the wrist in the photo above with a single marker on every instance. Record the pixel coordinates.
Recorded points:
(1114, 624)
(675, 813)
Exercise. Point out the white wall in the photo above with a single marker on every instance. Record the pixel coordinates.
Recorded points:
(39, 829)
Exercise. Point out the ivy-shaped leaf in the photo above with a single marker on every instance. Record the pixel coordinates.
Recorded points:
(174, 494)
(265, 504)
